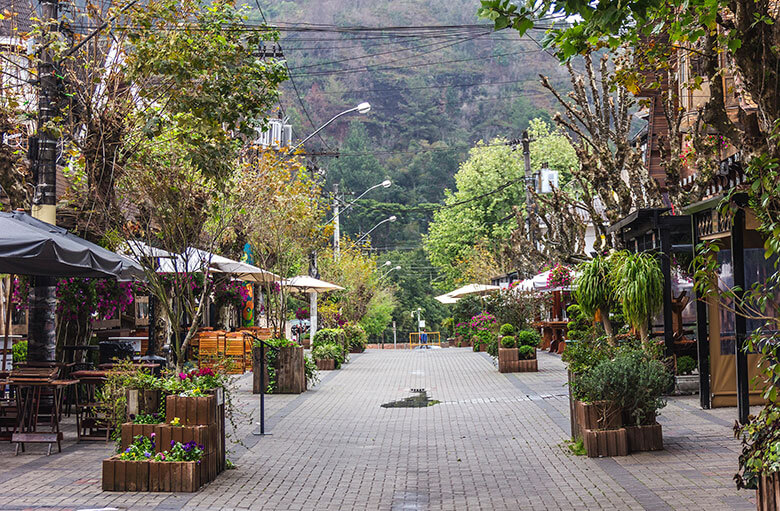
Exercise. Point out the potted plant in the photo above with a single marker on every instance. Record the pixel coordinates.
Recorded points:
(356, 337)
(508, 359)
(685, 381)
(177, 470)
(624, 390)
(327, 356)
(129, 470)
(759, 462)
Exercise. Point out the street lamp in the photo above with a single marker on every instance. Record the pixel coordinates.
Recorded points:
(391, 218)
(362, 108)
(389, 271)
(337, 226)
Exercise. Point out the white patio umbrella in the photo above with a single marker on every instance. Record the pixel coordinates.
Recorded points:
(194, 259)
(472, 289)
(306, 284)
(445, 298)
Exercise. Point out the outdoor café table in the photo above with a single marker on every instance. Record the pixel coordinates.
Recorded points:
(88, 411)
(29, 393)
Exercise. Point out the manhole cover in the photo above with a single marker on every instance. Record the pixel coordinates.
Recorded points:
(420, 399)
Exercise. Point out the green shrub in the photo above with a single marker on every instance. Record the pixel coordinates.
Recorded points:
(310, 368)
(632, 381)
(579, 326)
(508, 341)
(526, 352)
(529, 338)
(328, 336)
(685, 364)
(20, 352)
(507, 329)
(329, 351)
(356, 337)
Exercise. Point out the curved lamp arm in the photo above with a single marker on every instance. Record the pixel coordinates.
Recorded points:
(388, 219)
(362, 108)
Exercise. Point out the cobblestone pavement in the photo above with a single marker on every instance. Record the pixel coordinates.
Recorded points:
(494, 441)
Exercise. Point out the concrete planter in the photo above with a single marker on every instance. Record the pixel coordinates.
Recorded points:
(686, 384)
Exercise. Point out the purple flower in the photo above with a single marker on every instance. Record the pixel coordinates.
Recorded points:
(127, 450)
(173, 442)
(152, 435)
(148, 455)
(200, 447)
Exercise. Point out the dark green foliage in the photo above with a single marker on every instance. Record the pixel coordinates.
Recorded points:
(271, 361)
(632, 381)
(355, 336)
(508, 341)
(329, 351)
(685, 364)
(328, 336)
(20, 352)
(584, 355)
(760, 453)
(528, 338)
(310, 368)
(580, 327)
(506, 329)
(526, 352)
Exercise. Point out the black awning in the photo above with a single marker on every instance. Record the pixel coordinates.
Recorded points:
(29, 246)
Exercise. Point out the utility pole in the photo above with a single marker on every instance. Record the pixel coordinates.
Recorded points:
(336, 226)
(313, 272)
(43, 155)
(529, 199)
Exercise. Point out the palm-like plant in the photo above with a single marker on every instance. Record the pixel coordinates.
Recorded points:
(594, 290)
(639, 284)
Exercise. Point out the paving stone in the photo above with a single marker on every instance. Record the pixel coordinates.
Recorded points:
(495, 441)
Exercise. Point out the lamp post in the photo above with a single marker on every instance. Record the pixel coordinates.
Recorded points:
(389, 271)
(391, 218)
(337, 212)
(362, 108)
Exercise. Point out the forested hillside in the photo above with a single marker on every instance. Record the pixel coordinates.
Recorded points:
(434, 92)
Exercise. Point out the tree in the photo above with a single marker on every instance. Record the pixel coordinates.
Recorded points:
(366, 299)
(199, 85)
(489, 185)
(279, 217)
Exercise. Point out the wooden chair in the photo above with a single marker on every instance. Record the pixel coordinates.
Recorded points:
(235, 351)
(260, 333)
(208, 348)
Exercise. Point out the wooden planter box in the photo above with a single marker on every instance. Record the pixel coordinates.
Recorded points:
(326, 365)
(143, 401)
(121, 475)
(508, 361)
(258, 362)
(191, 411)
(645, 438)
(768, 492)
(174, 476)
(201, 411)
(130, 431)
(589, 416)
(528, 366)
(290, 372)
(605, 442)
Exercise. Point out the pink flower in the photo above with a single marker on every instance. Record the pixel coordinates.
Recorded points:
(182, 376)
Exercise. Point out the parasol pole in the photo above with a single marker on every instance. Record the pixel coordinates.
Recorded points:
(7, 319)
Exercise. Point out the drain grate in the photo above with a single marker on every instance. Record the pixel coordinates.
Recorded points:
(418, 391)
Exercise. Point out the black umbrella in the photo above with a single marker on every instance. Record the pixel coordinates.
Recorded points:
(29, 246)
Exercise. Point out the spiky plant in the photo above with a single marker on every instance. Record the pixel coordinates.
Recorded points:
(639, 284)
(594, 290)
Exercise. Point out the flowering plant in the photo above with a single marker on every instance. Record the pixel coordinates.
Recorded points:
(482, 322)
(559, 276)
(100, 299)
(230, 292)
(190, 451)
(140, 450)
(302, 313)
(20, 293)
(462, 329)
